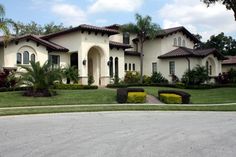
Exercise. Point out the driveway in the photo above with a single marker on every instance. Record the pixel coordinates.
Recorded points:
(119, 134)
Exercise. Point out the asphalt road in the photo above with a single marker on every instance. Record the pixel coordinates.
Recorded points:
(120, 134)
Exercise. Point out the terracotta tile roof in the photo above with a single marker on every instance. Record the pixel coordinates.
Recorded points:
(114, 26)
(230, 60)
(82, 27)
(132, 53)
(119, 45)
(187, 52)
(48, 44)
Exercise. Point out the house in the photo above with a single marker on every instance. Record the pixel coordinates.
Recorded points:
(104, 52)
(229, 63)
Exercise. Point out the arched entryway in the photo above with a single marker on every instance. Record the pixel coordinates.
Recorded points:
(95, 55)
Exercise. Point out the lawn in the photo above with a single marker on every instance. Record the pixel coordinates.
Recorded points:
(206, 96)
(64, 97)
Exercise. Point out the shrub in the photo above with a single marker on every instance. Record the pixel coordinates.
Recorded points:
(7, 78)
(90, 80)
(158, 78)
(147, 80)
(170, 98)
(122, 93)
(136, 97)
(174, 78)
(132, 77)
(185, 96)
(229, 77)
(71, 74)
(196, 76)
(74, 86)
(116, 86)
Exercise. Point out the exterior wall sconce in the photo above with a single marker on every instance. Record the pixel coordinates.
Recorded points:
(84, 62)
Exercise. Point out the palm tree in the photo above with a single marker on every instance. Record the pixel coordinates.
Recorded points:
(71, 74)
(145, 29)
(5, 24)
(40, 78)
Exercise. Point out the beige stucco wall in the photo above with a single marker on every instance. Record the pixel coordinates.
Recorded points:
(226, 68)
(120, 54)
(133, 60)
(10, 52)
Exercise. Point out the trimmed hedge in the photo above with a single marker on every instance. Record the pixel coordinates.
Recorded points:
(185, 96)
(122, 93)
(136, 97)
(74, 86)
(4, 89)
(171, 98)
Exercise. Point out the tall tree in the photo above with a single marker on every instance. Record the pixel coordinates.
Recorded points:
(37, 29)
(230, 4)
(6, 24)
(225, 44)
(145, 29)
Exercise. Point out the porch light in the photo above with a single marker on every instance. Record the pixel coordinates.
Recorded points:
(84, 62)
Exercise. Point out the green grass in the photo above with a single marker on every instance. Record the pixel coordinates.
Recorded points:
(64, 97)
(4, 112)
(203, 96)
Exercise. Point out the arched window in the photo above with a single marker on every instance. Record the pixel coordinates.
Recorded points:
(210, 70)
(133, 67)
(183, 43)
(207, 67)
(18, 58)
(26, 57)
(111, 67)
(32, 57)
(125, 66)
(116, 66)
(179, 41)
(175, 42)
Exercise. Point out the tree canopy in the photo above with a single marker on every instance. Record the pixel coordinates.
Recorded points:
(37, 29)
(225, 44)
(229, 4)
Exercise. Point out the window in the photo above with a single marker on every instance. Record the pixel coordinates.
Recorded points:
(175, 42)
(18, 58)
(133, 67)
(207, 67)
(172, 67)
(126, 67)
(126, 38)
(54, 60)
(210, 70)
(154, 67)
(183, 43)
(129, 67)
(179, 41)
(111, 67)
(26, 57)
(32, 57)
(116, 66)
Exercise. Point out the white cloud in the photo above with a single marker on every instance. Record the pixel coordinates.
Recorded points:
(115, 5)
(196, 17)
(69, 14)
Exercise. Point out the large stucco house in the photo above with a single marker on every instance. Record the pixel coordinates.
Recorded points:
(104, 51)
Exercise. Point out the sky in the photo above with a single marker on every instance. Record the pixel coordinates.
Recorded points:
(192, 14)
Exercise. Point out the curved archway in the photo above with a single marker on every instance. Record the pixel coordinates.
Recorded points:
(95, 55)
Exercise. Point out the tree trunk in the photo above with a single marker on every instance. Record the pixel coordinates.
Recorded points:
(141, 62)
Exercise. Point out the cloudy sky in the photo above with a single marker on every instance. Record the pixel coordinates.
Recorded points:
(192, 14)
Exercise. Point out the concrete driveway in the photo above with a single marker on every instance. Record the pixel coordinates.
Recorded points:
(119, 134)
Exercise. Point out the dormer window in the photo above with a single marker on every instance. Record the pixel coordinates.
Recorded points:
(126, 38)
(179, 41)
(175, 42)
(183, 43)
